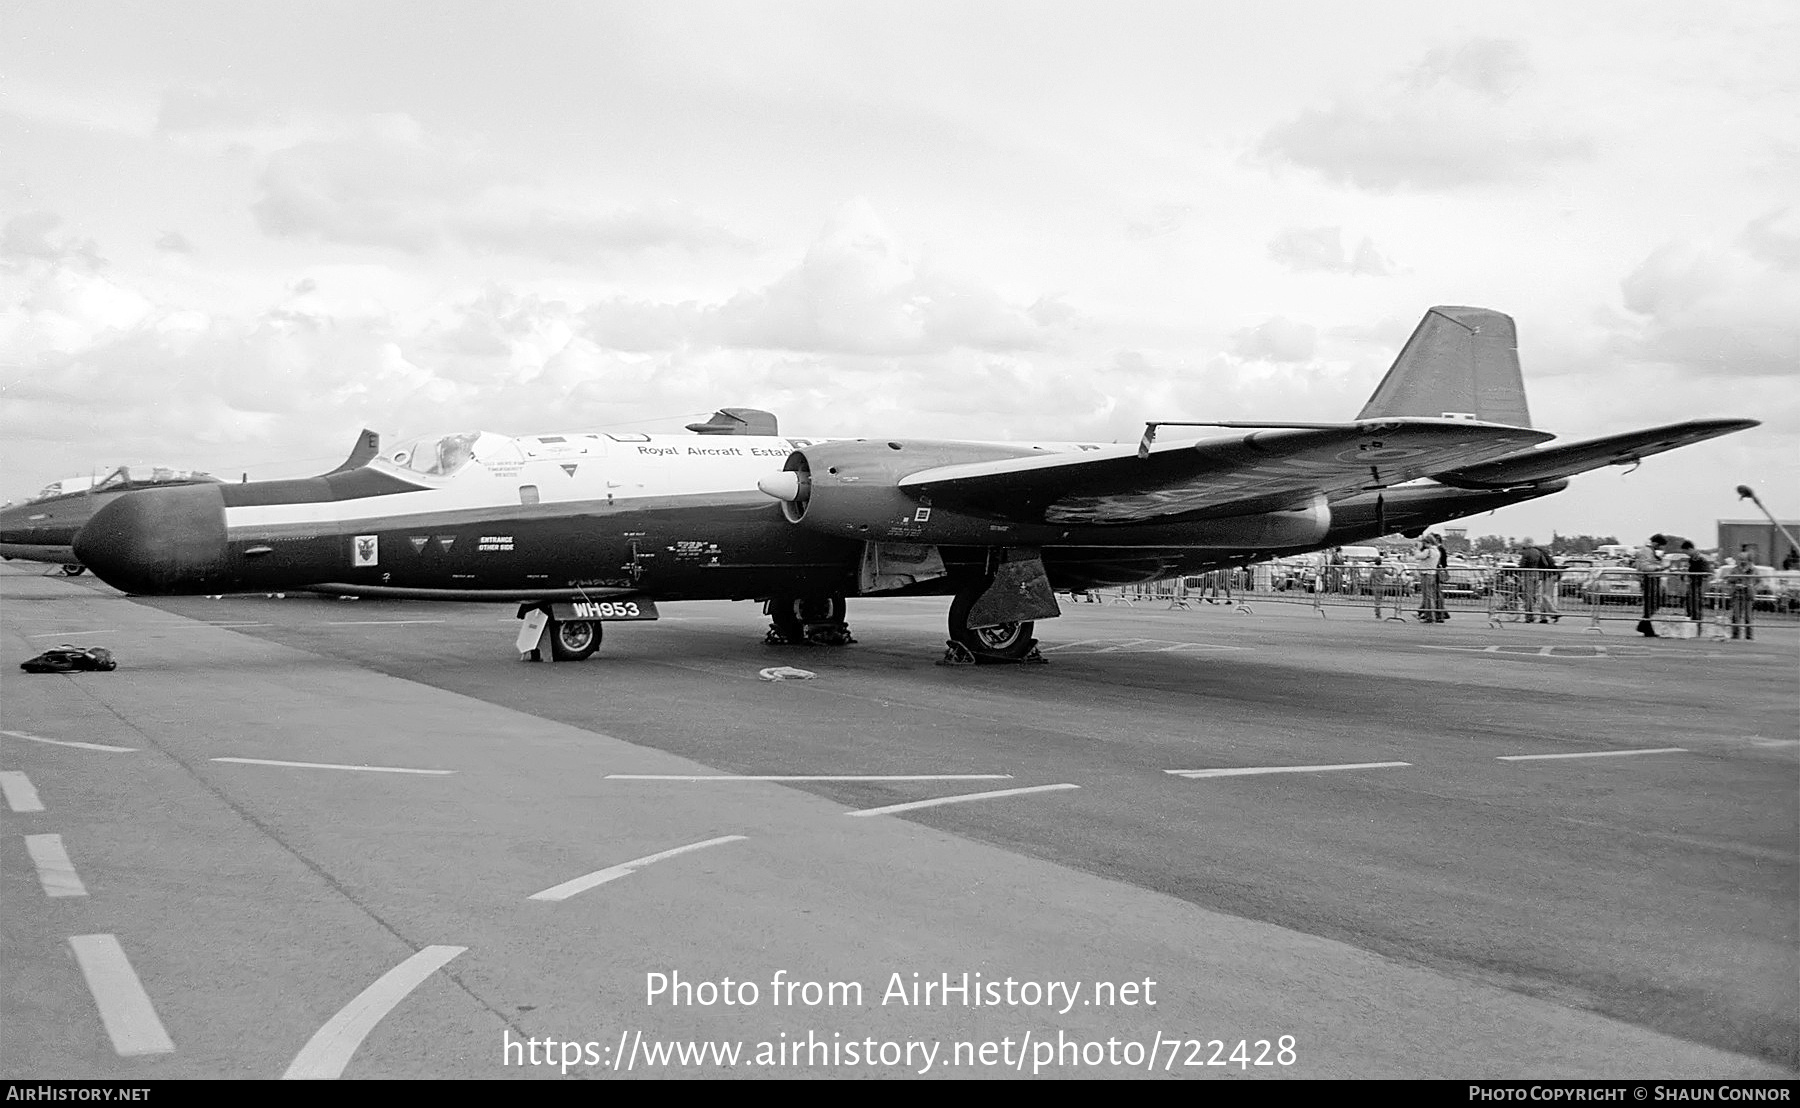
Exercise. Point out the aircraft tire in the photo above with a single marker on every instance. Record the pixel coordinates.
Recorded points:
(1009, 642)
(571, 640)
(792, 614)
(74, 569)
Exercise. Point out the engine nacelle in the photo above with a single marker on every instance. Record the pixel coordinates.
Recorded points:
(850, 489)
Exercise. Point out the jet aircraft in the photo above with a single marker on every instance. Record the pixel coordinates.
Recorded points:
(581, 529)
(43, 528)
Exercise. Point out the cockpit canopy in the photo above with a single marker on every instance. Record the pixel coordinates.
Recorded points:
(125, 477)
(442, 455)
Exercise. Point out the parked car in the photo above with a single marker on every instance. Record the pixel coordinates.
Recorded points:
(1467, 579)
(1575, 572)
(1611, 585)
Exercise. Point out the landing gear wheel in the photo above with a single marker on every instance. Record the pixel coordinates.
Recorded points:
(1008, 642)
(797, 620)
(73, 569)
(571, 640)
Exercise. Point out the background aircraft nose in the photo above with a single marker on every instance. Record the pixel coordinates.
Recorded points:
(167, 541)
(34, 524)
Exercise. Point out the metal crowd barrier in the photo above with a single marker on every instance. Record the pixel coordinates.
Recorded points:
(1498, 595)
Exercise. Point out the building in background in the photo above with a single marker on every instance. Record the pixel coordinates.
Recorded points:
(1770, 545)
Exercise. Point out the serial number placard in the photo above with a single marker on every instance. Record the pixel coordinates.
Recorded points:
(604, 609)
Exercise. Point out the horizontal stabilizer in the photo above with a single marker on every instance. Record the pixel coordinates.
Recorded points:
(738, 421)
(1530, 467)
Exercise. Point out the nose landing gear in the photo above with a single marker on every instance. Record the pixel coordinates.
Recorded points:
(807, 620)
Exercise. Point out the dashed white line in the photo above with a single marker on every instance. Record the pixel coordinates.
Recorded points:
(125, 1007)
(71, 634)
(1249, 771)
(332, 1046)
(20, 796)
(892, 808)
(1589, 754)
(334, 765)
(811, 777)
(612, 873)
(376, 622)
(70, 742)
(55, 872)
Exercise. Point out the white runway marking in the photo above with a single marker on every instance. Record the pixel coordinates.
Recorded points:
(1560, 650)
(71, 634)
(20, 796)
(55, 872)
(69, 742)
(1133, 646)
(1252, 770)
(125, 1007)
(330, 1049)
(812, 777)
(1590, 754)
(891, 808)
(376, 622)
(612, 873)
(334, 765)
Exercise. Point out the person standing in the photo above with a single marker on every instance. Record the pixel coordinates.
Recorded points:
(1437, 579)
(1425, 560)
(1741, 576)
(1538, 570)
(1648, 563)
(1699, 572)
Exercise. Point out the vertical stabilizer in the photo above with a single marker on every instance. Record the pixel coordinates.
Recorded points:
(1461, 363)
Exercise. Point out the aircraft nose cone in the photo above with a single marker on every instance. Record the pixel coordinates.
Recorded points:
(159, 541)
(784, 486)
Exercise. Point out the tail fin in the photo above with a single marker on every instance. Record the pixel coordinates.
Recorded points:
(1461, 363)
(368, 444)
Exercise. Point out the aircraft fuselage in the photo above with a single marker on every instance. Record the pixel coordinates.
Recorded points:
(673, 517)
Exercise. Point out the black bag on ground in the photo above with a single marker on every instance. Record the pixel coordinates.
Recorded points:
(68, 659)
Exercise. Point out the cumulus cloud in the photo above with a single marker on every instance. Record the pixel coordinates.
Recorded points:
(1321, 250)
(1716, 309)
(210, 108)
(26, 238)
(389, 182)
(174, 242)
(367, 344)
(1163, 219)
(857, 291)
(1278, 340)
(1774, 240)
(1488, 66)
(1451, 121)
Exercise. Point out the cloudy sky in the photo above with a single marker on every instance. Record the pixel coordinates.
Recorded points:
(233, 234)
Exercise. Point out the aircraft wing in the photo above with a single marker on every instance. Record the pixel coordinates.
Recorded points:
(1265, 470)
(1549, 463)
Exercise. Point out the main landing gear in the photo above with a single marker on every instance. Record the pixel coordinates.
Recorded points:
(569, 640)
(1005, 642)
(807, 620)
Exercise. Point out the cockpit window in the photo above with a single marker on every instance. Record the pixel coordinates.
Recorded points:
(437, 455)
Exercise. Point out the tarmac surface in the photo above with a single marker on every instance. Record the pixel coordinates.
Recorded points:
(1449, 851)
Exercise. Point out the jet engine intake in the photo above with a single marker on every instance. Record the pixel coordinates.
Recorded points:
(850, 489)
